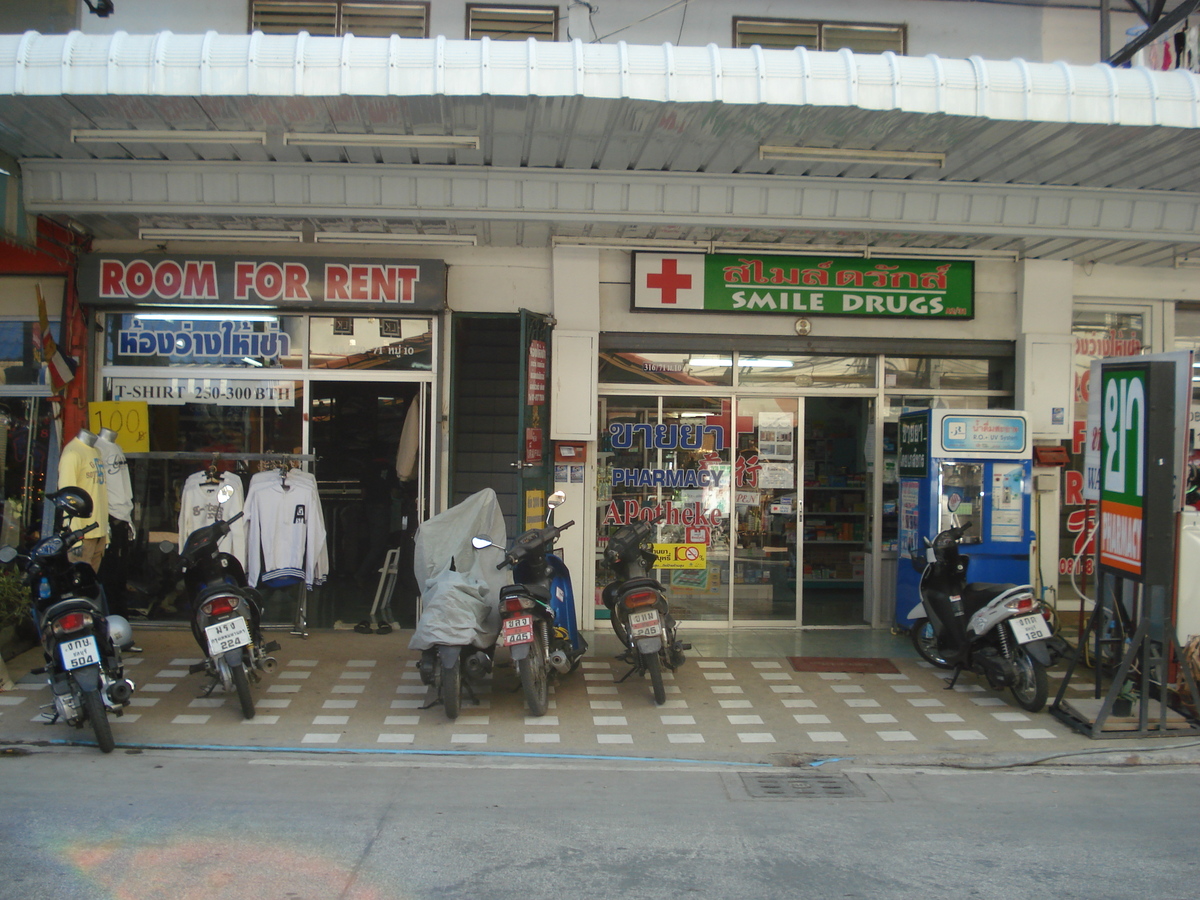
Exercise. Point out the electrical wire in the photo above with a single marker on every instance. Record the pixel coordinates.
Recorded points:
(667, 8)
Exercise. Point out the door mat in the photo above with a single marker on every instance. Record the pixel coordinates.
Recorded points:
(866, 665)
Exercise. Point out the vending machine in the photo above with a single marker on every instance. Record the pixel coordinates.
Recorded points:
(957, 466)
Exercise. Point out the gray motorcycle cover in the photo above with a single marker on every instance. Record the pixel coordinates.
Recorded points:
(460, 586)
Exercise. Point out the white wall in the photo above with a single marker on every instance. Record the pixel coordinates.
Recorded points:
(945, 27)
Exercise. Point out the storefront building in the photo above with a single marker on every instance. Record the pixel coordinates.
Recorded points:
(687, 327)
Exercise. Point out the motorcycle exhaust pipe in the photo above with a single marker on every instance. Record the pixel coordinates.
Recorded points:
(478, 665)
(120, 691)
(270, 664)
(560, 661)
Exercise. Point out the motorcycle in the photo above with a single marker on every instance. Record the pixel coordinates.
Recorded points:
(82, 645)
(638, 609)
(537, 611)
(998, 631)
(226, 616)
(457, 626)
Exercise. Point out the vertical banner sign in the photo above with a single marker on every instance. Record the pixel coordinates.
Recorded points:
(914, 445)
(1123, 469)
(535, 399)
(1138, 434)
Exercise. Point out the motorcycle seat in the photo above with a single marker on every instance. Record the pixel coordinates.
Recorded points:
(982, 593)
(537, 591)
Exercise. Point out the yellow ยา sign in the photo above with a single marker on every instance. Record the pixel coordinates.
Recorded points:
(680, 556)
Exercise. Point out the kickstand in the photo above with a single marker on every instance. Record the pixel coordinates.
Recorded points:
(622, 679)
(952, 680)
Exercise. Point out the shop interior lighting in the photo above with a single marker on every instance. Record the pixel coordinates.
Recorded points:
(217, 234)
(354, 237)
(416, 141)
(183, 315)
(846, 155)
(164, 136)
(706, 362)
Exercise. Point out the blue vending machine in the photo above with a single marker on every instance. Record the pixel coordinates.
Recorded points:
(957, 466)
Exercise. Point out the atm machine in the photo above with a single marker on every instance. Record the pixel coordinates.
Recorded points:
(957, 466)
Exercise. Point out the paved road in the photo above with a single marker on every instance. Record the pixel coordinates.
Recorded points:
(178, 825)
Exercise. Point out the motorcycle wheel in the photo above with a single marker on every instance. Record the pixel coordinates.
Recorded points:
(535, 680)
(1032, 685)
(242, 683)
(654, 667)
(924, 641)
(93, 706)
(451, 681)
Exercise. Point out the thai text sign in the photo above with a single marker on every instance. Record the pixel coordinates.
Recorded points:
(1122, 468)
(808, 285)
(108, 279)
(680, 556)
(983, 434)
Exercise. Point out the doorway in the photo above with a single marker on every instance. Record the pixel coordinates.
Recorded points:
(367, 441)
(769, 494)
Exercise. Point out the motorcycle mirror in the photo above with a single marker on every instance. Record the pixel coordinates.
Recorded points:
(225, 493)
(7, 554)
(479, 542)
(556, 499)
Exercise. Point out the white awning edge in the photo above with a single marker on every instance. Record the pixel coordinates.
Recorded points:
(168, 64)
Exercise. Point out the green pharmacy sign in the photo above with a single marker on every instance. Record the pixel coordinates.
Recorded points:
(804, 285)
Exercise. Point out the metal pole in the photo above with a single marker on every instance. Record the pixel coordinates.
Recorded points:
(1105, 29)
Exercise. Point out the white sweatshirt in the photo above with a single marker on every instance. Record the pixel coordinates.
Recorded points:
(286, 529)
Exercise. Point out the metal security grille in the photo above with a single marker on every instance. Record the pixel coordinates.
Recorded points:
(798, 786)
(334, 18)
(512, 23)
(787, 34)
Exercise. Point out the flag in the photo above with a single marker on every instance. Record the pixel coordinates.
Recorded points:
(62, 367)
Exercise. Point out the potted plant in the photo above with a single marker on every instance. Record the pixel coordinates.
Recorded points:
(16, 629)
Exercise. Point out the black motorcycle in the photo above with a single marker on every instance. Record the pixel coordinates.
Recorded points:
(226, 613)
(998, 631)
(638, 609)
(82, 645)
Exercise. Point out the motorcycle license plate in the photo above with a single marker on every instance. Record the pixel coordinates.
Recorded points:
(1029, 628)
(516, 631)
(80, 652)
(644, 624)
(227, 635)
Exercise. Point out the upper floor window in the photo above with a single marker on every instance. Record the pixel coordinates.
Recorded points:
(787, 34)
(381, 18)
(512, 23)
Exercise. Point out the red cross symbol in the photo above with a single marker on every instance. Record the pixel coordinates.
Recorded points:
(669, 280)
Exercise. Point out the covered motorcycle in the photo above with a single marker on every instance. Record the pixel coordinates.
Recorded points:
(458, 626)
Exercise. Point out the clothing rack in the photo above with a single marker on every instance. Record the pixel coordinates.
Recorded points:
(299, 624)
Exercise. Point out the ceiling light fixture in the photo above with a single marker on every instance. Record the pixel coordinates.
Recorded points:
(847, 155)
(355, 237)
(217, 234)
(165, 136)
(415, 141)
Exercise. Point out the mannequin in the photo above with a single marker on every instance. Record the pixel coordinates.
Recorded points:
(81, 466)
(114, 566)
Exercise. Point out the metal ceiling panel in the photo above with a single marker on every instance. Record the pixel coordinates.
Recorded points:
(578, 118)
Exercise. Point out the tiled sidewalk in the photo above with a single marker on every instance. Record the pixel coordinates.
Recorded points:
(343, 691)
